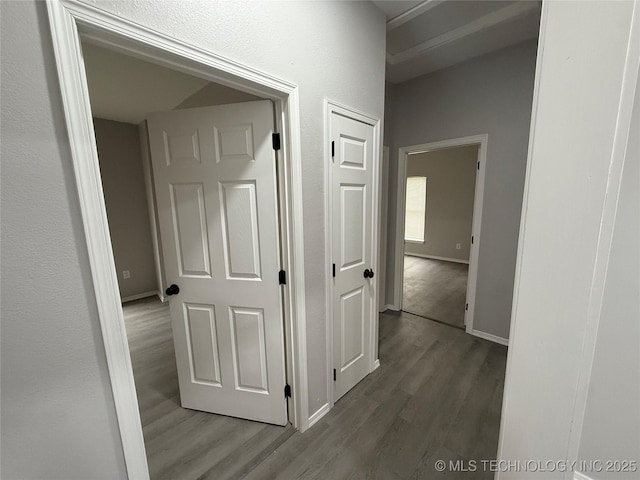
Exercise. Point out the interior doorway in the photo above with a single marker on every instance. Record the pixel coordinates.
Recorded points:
(440, 189)
(209, 222)
(69, 26)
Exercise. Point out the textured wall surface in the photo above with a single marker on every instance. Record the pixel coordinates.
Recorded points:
(58, 418)
(56, 400)
(490, 94)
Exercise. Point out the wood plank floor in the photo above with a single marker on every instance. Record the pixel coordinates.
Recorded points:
(435, 289)
(437, 395)
(181, 443)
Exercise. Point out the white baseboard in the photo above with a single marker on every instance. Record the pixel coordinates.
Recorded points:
(435, 257)
(138, 296)
(492, 338)
(376, 364)
(580, 476)
(390, 307)
(321, 412)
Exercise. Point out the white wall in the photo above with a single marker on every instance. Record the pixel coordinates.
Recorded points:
(489, 94)
(612, 416)
(451, 181)
(579, 84)
(56, 398)
(58, 418)
(124, 190)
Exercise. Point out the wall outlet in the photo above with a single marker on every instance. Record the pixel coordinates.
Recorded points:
(458, 246)
(126, 274)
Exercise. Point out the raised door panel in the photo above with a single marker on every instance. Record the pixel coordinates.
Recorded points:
(352, 323)
(352, 238)
(190, 227)
(202, 340)
(249, 352)
(239, 215)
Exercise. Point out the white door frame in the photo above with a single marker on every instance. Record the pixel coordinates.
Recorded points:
(70, 20)
(403, 154)
(331, 107)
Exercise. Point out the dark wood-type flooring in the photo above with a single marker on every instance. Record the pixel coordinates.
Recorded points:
(435, 289)
(436, 395)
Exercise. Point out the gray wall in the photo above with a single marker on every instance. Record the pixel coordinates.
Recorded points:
(611, 429)
(58, 418)
(451, 181)
(490, 94)
(57, 408)
(125, 197)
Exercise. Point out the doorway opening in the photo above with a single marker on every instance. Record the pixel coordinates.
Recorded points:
(172, 196)
(71, 22)
(439, 212)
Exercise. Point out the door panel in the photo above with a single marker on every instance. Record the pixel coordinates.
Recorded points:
(215, 178)
(190, 226)
(352, 209)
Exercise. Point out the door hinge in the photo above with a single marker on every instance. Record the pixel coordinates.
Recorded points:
(466, 307)
(334, 269)
(333, 149)
(471, 239)
(334, 374)
(287, 391)
(275, 140)
(282, 277)
(478, 165)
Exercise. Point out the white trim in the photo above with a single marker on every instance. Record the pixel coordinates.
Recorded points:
(490, 337)
(605, 237)
(376, 364)
(388, 306)
(331, 107)
(382, 234)
(68, 18)
(435, 257)
(317, 416)
(478, 199)
(138, 296)
(485, 22)
(412, 13)
(580, 476)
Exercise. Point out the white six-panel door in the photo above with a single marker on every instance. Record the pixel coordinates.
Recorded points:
(352, 212)
(215, 182)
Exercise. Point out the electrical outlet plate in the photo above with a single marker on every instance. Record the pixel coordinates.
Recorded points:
(458, 246)
(126, 274)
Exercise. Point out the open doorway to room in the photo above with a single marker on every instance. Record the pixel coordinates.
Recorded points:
(440, 188)
(176, 201)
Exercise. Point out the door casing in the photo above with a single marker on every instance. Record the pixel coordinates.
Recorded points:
(332, 107)
(403, 153)
(71, 20)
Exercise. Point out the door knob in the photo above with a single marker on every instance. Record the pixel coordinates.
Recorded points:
(173, 289)
(368, 273)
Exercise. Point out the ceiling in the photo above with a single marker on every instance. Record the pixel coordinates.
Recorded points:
(428, 35)
(126, 89)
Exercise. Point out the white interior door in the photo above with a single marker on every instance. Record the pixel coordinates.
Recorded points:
(215, 178)
(352, 215)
